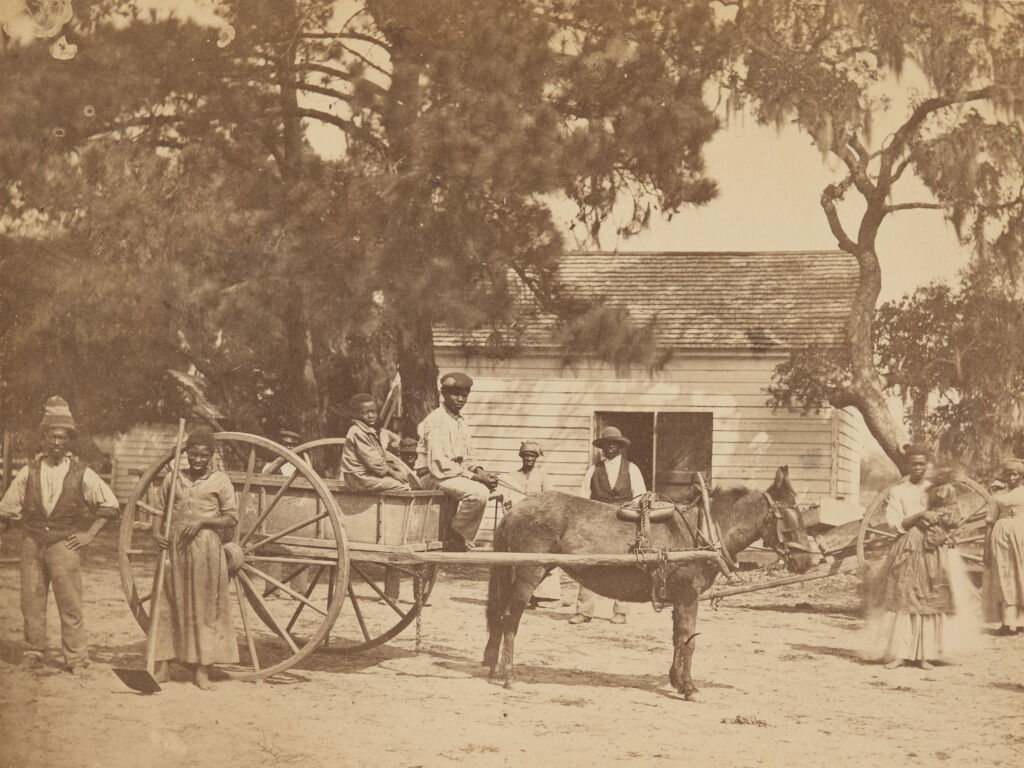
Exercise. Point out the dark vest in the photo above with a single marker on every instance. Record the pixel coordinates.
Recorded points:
(69, 510)
(602, 490)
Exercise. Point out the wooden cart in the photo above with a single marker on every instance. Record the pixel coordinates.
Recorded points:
(324, 568)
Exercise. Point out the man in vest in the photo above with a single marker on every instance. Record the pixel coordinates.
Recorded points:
(54, 495)
(613, 480)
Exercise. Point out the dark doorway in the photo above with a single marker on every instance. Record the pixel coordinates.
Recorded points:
(668, 448)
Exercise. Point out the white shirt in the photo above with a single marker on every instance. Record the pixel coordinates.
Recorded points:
(611, 466)
(51, 480)
(904, 500)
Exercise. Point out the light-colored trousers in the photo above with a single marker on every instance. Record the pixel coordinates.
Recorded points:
(585, 603)
(43, 566)
(471, 497)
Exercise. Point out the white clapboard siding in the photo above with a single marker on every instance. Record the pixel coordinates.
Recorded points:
(134, 452)
(535, 397)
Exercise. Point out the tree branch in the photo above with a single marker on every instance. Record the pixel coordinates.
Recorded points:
(340, 95)
(829, 196)
(903, 135)
(351, 129)
(346, 36)
(914, 206)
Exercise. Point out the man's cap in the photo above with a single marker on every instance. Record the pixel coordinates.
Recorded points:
(288, 434)
(408, 443)
(57, 415)
(529, 446)
(456, 380)
(611, 435)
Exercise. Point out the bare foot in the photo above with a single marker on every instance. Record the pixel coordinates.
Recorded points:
(894, 664)
(202, 679)
(925, 664)
(162, 672)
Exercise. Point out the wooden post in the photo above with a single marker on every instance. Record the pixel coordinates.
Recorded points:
(7, 458)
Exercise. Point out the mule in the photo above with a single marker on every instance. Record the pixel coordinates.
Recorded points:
(558, 523)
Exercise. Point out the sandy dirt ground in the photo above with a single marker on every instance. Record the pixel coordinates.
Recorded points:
(781, 684)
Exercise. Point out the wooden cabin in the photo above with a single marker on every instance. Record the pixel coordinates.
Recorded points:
(723, 321)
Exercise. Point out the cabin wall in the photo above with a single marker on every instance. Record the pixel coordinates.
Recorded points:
(134, 452)
(534, 397)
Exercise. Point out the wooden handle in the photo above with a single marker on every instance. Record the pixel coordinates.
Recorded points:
(161, 563)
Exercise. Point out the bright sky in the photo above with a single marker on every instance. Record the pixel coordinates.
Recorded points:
(769, 186)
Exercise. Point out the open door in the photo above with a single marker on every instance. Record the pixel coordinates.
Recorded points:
(682, 447)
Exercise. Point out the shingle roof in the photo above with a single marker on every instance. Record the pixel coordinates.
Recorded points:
(773, 300)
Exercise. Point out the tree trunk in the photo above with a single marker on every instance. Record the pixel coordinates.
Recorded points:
(866, 390)
(418, 369)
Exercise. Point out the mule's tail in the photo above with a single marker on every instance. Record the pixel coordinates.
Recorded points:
(499, 589)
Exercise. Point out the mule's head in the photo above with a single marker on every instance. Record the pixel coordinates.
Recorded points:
(785, 531)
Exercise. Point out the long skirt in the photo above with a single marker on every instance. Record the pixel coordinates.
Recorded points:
(195, 625)
(1004, 578)
(922, 606)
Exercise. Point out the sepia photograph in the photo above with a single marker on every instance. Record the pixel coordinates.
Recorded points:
(511, 383)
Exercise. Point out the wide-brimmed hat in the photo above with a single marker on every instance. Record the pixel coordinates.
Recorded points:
(611, 435)
(57, 415)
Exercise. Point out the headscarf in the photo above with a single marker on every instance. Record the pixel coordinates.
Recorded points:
(531, 447)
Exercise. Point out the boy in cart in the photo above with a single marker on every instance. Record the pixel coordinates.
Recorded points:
(365, 465)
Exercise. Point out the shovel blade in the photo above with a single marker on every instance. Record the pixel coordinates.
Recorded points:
(138, 680)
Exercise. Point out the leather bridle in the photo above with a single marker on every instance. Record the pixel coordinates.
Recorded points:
(784, 525)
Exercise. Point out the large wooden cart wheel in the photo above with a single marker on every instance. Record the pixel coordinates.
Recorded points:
(383, 600)
(876, 536)
(295, 570)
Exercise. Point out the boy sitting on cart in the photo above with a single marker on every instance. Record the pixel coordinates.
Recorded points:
(366, 467)
(444, 460)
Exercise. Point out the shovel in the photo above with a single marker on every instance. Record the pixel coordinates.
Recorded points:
(142, 680)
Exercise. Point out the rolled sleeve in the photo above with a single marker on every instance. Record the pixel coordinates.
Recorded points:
(226, 497)
(99, 495)
(895, 512)
(14, 499)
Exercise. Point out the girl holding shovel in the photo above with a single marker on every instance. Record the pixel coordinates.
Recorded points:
(198, 630)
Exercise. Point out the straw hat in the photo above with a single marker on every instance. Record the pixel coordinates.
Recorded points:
(611, 435)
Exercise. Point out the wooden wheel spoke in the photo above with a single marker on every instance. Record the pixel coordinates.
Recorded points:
(243, 497)
(249, 640)
(378, 590)
(252, 591)
(309, 590)
(287, 580)
(359, 613)
(285, 532)
(284, 588)
(270, 507)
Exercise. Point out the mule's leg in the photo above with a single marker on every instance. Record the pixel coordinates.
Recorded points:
(684, 630)
(499, 591)
(526, 581)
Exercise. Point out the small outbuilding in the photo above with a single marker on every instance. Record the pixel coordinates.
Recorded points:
(721, 322)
